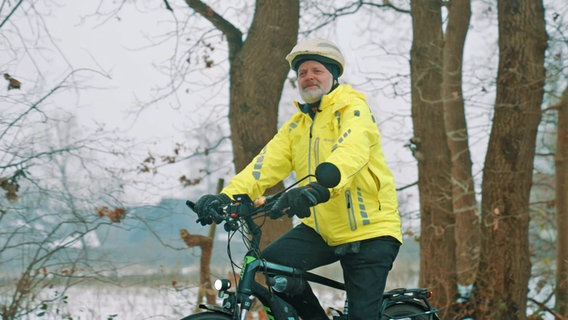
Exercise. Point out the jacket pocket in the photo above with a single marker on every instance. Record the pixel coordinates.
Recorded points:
(377, 182)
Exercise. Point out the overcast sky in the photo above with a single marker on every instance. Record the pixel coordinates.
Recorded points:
(128, 55)
(124, 59)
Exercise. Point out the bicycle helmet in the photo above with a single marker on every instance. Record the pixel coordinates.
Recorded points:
(318, 49)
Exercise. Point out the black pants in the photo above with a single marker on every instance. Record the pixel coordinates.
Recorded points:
(364, 272)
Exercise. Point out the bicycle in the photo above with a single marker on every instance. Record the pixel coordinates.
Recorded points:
(239, 216)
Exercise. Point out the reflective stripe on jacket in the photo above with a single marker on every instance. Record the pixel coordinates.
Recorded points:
(345, 133)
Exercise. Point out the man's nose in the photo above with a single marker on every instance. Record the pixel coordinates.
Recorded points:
(309, 75)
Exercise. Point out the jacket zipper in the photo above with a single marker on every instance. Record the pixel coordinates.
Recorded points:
(350, 210)
(314, 213)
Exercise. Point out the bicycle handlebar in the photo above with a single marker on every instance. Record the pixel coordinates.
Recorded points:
(241, 207)
(326, 174)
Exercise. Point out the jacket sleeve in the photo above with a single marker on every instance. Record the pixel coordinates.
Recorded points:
(358, 134)
(270, 166)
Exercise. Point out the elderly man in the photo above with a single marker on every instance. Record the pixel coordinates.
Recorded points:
(356, 222)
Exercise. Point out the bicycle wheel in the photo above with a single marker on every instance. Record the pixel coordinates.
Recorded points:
(208, 316)
(404, 311)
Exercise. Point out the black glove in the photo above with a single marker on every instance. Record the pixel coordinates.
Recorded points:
(297, 201)
(209, 206)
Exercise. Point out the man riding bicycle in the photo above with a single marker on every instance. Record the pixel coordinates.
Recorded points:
(359, 224)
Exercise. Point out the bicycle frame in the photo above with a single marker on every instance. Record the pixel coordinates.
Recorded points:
(248, 287)
(243, 209)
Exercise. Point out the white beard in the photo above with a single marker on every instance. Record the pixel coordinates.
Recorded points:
(311, 94)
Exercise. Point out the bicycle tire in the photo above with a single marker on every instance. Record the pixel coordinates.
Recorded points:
(399, 311)
(208, 316)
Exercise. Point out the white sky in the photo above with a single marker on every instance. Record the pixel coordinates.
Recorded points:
(120, 46)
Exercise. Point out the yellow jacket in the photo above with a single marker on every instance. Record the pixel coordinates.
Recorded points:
(364, 204)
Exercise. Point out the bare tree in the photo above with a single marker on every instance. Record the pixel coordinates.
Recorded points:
(463, 195)
(254, 91)
(437, 244)
(504, 268)
(51, 174)
(562, 207)
(47, 219)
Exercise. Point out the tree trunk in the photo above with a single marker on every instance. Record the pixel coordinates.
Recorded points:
(206, 245)
(463, 192)
(437, 263)
(258, 70)
(257, 74)
(562, 208)
(257, 77)
(504, 269)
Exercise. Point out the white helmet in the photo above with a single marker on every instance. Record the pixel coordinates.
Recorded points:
(318, 49)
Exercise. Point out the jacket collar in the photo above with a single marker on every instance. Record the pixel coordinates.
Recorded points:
(327, 101)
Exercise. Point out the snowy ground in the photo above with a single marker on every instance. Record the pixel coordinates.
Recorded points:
(129, 303)
(168, 297)
(172, 297)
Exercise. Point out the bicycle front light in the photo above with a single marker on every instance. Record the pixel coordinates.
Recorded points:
(222, 284)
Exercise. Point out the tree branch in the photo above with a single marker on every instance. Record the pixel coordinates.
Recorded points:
(542, 306)
(11, 13)
(353, 8)
(233, 34)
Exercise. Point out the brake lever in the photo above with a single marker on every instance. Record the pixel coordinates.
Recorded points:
(310, 196)
(215, 216)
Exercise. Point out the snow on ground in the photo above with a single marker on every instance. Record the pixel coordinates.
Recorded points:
(108, 302)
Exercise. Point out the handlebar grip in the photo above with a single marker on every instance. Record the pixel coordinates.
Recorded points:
(191, 205)
(203, 220)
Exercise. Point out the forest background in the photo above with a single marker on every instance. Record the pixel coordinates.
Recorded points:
(113, 108)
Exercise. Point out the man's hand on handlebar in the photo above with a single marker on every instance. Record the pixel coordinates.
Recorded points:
(297, 201)
(209, 206)
(260, 201)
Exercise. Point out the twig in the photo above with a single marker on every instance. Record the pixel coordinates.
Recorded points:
(542, 306)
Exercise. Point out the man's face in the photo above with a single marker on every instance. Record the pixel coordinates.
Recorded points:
(314, 80)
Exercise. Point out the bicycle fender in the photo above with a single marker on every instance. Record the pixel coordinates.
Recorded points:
(432, 312)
